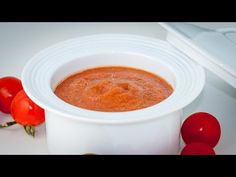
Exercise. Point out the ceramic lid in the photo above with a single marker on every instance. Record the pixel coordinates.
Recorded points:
(210, 48)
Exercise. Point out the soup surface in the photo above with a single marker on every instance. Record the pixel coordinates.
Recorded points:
(113, 89)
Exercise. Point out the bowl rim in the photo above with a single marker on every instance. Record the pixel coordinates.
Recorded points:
(134, 116)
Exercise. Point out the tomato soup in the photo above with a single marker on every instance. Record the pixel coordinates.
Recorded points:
(113, 89)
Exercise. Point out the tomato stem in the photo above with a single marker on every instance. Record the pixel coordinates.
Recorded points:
(30, 130)
(7, 124)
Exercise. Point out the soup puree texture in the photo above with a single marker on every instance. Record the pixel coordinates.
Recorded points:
(113, 89)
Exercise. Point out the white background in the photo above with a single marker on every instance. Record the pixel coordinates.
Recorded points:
(20, 41)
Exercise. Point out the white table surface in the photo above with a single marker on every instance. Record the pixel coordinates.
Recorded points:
(20, 41)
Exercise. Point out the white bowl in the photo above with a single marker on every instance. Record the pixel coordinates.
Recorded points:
(153, 130)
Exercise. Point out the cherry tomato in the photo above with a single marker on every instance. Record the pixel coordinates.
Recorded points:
(9, 87)
(25, 112)
(201, 127)
(197, 148)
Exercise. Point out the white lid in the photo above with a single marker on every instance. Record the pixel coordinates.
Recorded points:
(210, 48)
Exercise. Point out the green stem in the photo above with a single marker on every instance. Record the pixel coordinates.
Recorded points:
(7, 124)
(30, 130)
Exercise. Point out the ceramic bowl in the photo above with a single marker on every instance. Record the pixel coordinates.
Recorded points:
(73, 130)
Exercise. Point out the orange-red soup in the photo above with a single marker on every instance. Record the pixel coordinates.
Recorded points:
(113, 89)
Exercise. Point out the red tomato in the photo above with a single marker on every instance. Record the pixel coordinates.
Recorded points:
(197, 148)
(9, 87)
(25, 112)
(201, 127)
